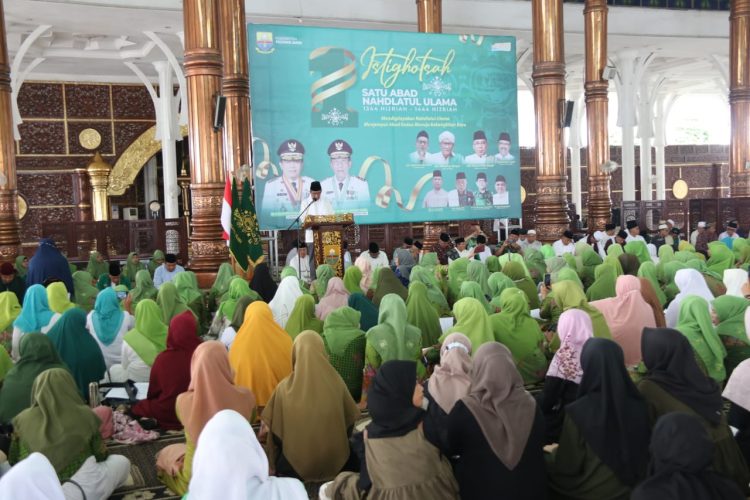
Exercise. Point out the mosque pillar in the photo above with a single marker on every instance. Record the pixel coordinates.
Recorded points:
(430, 16)
(99, 171)
(548, 76)
(81, 195)
(739, 97)
(645, 132)
(203, 71)
(235, 85)
(10, 241)
(597, 108)
(574, 143)
(168, 130)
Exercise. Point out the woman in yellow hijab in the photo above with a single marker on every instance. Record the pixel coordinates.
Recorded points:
(261, 354)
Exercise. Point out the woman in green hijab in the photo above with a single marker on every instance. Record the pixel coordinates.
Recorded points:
(392, 338)
(456, 276)
(720, 258)
(57, 297)
(737, 248)
(352, 278)
(568, 274)
(605, 277)
(421, 313)
(36, 355)
(668, 271)
(237, 288)
(149, 336)
(434, 292)
(516, 272)
(519, 332)
(686, 255)
(713, 279)
(477, 272)
(535, 264)
(187, 287)
(170, 302)
(547, 251)
(221, 285)
(156, 260)
(132, 266)
(493, 264)
(568, 295)
(589, 260)
(614, 261)
(97, 265)
(324, 272)
(22, 266)
(498, 282)
(345, 344)
(639, 249)
(666, 254)
(387, 283)
(615, 250)
(10, 308)
(78, 349)
(695, 324)
(144, 289)
(648, 271)
(70, 436)
(729, 318)
(429, 260)
(473, 290)
(303, 317)
(555, 264)
(85, 291)
(471, 320)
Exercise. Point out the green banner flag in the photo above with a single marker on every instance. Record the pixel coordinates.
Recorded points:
(244, 242)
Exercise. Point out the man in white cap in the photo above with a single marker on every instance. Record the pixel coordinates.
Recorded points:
(661, 238)
(446, 156)
(531, 241)
(694, 235)
(731, 231)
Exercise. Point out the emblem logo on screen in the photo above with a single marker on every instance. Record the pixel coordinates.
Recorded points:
(264, 42)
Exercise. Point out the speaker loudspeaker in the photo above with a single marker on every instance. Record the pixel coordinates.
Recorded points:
(566, 113)
(220, 108)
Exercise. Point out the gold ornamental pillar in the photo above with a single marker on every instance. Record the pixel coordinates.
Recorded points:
(99, 171)
(548, 76)
(595, 91)
(430, 16)
(10, 241)
(739, 97)
(235, 85)
(203, 72)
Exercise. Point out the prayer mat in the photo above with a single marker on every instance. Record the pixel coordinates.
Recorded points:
(145, 484)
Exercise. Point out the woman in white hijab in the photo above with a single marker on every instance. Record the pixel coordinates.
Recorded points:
(32, 479)
(734, 279)
(284, 299)
(230, 460)
(689, 282)
(652, 251)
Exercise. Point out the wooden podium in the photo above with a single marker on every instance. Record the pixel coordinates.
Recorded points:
(328, 239)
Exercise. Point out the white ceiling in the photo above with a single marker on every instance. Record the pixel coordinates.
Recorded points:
(90, 40)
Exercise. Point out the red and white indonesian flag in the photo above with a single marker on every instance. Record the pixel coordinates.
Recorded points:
(226, 209)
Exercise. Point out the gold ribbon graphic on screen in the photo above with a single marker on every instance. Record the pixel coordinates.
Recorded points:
(475, 39)
(383, 198)
(347, 74)
(261, 170)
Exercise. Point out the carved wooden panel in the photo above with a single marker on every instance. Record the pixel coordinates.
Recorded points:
(41, 100)
(104, 129)
(132, 102)
(87, 101)
(46, 189)
(42, 138)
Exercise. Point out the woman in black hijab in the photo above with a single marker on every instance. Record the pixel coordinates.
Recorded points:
(681, 455)
(674, 382)
(603, 449)
(263, 283)
(48, 262)
(396, 459)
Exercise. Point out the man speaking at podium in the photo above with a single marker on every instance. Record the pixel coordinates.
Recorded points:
(314, 204)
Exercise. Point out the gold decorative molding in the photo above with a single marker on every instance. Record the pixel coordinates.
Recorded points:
(132, 160)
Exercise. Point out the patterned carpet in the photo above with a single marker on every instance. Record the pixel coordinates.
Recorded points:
(145, 485)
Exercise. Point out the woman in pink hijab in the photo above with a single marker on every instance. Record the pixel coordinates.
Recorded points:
(336, 296)
(627, 315)
(449, 382)
(565, 372)
(363, 263)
